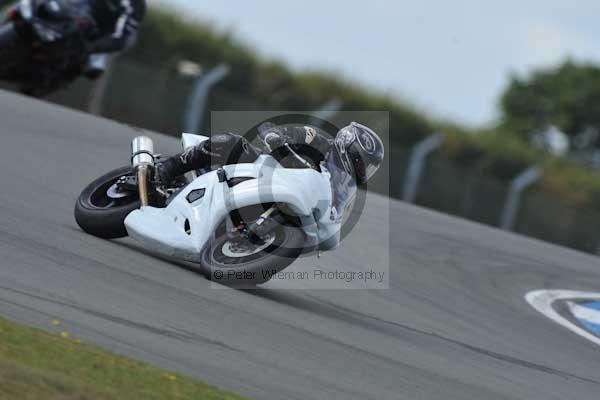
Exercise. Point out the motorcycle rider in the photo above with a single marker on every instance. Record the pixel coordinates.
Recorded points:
(352, 157)
(117, 22)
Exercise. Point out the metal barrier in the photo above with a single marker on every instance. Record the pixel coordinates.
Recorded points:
(518, 185)
(417, 163)
(195, 110)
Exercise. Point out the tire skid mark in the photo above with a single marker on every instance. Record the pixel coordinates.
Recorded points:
(174, 333)
(349, 315)
(112, 338)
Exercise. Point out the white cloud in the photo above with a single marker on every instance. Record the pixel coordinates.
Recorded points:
(452, 58)
(539, 43)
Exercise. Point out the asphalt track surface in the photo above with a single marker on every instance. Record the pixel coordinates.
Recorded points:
(453, 325)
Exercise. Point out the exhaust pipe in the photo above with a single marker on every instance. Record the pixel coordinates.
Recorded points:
(142, 161)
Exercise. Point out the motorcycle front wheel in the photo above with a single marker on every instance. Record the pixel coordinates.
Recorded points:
(101, 209)
(238, 262)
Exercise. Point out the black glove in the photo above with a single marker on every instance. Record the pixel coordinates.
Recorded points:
(271, 135)
(273, 140)
(166, 171)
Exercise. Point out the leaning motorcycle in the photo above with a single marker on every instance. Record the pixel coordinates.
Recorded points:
(42, 44)
(240, 223)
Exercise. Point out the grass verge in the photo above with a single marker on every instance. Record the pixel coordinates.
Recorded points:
(40, 366)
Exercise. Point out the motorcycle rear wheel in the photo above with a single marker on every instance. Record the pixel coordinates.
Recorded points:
(101, 215)
(12, 51)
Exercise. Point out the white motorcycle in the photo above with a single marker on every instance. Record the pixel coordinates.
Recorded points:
(241, 223)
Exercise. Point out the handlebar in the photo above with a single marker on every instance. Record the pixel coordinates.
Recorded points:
(298, 157)
(275, 141)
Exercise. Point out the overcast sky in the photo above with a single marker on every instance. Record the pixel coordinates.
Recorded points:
(449, 58)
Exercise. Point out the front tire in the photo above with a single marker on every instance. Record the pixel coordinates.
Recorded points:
(100, 215)
(223, 263)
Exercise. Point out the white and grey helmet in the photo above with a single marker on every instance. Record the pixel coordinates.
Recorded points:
(360, 151)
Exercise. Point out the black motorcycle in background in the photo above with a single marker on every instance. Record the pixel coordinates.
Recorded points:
(43, 44)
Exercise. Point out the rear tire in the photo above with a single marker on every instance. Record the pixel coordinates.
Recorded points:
(9, 37)
(12, 51)
(101, 216)
(254, 269)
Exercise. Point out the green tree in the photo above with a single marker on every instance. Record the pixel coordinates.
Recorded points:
(567, 97)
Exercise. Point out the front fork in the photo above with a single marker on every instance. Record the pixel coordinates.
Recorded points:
(142, 161)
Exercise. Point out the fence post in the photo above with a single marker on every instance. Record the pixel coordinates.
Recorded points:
(328, 110)
(513, 199)
(417, 162)
(196, 105)
(100, 88)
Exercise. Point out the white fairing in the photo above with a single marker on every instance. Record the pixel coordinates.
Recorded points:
(182, 229)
